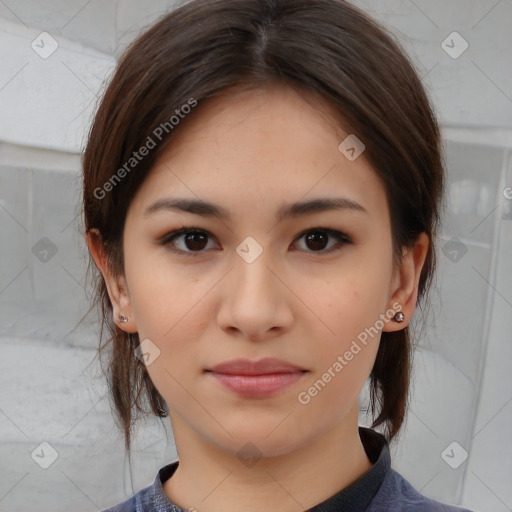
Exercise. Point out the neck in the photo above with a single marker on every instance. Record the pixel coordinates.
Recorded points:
(210, 479)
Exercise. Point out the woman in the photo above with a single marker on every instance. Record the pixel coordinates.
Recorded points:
(262, 188)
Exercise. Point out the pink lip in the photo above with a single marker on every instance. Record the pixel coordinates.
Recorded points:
(256, 379)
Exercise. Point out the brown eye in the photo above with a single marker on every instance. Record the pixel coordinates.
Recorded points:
(194, 241)
(317, 239)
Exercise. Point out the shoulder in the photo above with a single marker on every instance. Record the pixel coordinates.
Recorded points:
(125, 506)
(398, 495)
(150, 498)
(134, 504)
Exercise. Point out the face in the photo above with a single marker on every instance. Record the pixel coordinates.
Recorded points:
(306, 288)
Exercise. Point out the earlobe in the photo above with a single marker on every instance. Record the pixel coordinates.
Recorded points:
(407, 277)
(116, 286)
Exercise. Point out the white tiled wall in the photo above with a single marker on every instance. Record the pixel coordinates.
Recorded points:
(51, 389)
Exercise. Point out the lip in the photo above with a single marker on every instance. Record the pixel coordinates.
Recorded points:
(256, 379)
(260, 367)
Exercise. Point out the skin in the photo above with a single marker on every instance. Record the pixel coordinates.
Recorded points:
(252, 153)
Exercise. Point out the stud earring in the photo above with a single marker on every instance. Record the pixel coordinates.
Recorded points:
(399, 317)
(123, 319)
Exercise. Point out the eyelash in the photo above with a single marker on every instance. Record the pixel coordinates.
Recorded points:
(169, 238)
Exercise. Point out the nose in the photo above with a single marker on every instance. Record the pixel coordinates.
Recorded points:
(256, 303)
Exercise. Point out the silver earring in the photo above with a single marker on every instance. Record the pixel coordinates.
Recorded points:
(123, 318)
(399, 317)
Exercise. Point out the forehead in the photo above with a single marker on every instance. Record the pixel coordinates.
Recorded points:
(254, 148)
(255, 116)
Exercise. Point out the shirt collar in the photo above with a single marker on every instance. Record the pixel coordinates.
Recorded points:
(354, 498)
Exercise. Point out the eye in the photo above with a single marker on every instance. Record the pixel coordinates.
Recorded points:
(194, 240)
(317, 238)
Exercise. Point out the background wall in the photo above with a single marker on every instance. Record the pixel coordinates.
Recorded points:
(59, 447)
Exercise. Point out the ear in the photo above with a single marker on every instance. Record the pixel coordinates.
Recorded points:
(116, 287)
(405, 282)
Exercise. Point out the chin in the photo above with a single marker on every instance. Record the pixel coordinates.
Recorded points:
(265, 439)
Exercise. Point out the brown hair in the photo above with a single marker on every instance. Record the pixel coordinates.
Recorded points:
(326, 47)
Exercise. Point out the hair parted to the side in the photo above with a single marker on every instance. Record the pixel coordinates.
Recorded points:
(325, 47)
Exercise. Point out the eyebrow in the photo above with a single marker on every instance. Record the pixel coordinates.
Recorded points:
(207, 209)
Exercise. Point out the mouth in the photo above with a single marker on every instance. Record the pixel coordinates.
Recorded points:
(256, 379)
(265, 366)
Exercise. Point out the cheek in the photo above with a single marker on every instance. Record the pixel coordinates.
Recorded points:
(341, 369)
(347, 334)
(345, 306)
(169, 312)
(162, 294)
